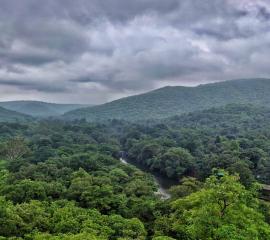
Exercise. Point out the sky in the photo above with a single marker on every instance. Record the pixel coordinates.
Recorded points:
(95, 51)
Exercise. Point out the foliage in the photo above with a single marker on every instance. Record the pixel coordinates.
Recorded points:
(64, 180)
(40, 109)
(169, 101)
(12, 116)
(219, 211)
(235, 138)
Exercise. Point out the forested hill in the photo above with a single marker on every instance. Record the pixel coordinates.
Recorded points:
(170, 101)
(63, 180)
(234, 137)
(40, 109)
(12, 116)
(220, 119)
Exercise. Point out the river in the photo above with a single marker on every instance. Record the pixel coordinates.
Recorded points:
(162, 182)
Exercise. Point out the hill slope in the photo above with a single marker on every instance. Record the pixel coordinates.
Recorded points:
(12, 116)
(226, 137)
(170, 101)
(222, 119)
(39, 109)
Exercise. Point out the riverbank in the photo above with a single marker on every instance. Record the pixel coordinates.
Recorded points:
(162, 182)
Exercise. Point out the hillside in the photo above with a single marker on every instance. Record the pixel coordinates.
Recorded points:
(170, 101)
(64, 180)
(12, 116)
(234, 137)
(220, 119)
(39, 109)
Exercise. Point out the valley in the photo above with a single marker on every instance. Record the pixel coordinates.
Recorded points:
(119, 179)
(134, 120)
(163, 183)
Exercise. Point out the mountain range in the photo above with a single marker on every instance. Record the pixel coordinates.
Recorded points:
(12, 116)
(40, 109)
(158, 104)
(170, 101)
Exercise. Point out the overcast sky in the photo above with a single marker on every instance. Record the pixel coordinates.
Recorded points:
(93, 51)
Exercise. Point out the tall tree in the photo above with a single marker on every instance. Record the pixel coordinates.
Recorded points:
(15, 149)
(223, 209)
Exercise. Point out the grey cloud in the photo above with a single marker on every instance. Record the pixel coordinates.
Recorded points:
(263, 13)
(26, 57)
(96, 50)
(85, 11)
(25, 85)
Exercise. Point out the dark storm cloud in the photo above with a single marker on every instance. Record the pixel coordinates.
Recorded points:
(264, 13)
(27, 85)
(97, 50)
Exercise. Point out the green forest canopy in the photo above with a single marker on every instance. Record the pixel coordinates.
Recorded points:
(64, 180)
(169, 101)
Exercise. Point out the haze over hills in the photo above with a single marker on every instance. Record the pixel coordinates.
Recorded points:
(40, 109)
(170, 101)
(12, 116)
(227, 118)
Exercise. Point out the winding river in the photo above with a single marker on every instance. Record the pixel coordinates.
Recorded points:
(162, 182)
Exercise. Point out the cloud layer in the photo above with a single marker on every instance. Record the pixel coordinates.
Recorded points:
(93, 51)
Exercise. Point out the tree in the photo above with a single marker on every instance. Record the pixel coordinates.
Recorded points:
(79, 236)
(163, 238)
(25, 190)
(126, 228)
(219, 211)
(177, 161)
(245, 174)
(15, 149)
(187, 186)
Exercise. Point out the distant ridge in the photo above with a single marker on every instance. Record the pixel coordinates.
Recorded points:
(12, 116)
(170, 101)
(40, 109)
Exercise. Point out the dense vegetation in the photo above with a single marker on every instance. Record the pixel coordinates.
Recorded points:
(235, 138)
(170, 101)
(39, 109)
(12, 116)
(64, 180)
